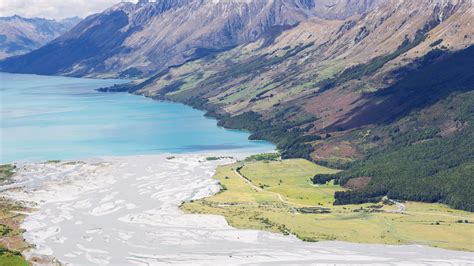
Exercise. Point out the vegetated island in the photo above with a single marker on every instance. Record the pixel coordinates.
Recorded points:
(266, 193)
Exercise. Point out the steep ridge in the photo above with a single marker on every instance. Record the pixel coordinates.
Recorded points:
(20, 35)
(138, 39)
(336, 91)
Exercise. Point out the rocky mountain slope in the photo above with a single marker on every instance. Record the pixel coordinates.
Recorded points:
(130, 40)
(19, 35)
(323, 65)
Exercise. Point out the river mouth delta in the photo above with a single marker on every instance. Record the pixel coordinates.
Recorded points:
(104, 175)
(125, 210)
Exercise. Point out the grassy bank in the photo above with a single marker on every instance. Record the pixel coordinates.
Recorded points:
(278, 196)
(11, 240)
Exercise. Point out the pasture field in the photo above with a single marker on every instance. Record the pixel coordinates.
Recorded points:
(291, 179)
(278, 196)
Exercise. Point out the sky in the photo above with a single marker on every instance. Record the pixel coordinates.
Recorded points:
(54, 9)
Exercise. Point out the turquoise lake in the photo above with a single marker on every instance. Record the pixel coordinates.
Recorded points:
(46, 118)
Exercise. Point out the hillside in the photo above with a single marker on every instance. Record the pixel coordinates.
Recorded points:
(324, 70)
(381, 89)
(19, 35)
(124, 41)
(339, 91)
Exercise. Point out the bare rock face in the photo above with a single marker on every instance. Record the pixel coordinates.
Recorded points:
(130, 40)
(20, 35)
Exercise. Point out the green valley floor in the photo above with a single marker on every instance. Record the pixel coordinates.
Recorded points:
(278, 196)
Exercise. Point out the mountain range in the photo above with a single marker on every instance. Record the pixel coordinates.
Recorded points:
(124, 41)
(19, 35)
(381, 89)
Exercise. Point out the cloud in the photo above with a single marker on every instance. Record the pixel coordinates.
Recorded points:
(54, 9)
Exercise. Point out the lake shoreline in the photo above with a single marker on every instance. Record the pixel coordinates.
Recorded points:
(72, 120)
(89, 211)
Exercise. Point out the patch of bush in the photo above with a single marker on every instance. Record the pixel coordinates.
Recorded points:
(322, 179)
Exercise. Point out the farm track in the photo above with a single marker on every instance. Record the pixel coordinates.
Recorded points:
(401, 207)
(280, 197)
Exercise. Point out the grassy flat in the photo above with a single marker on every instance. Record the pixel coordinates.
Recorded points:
(291, 179)
(10, 259)
(249, 206)
(11, 240)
